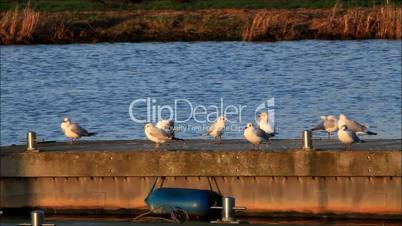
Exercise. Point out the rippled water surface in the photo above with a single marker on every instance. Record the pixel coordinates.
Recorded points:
(94, 84)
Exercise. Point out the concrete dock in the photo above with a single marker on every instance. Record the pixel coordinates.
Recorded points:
(281, 179)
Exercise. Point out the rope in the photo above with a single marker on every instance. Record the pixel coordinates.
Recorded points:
(177, 215)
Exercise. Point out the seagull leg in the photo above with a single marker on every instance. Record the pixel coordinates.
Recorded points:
(329, 136)
(72, 141)
(219, 139)
(157, 145)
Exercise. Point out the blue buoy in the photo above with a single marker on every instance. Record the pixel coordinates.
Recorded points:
(195, 202)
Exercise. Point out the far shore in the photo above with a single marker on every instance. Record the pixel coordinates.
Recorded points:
(32, 27)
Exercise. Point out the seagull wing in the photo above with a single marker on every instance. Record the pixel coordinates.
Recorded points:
(353, 136)
(159, 133)
(211, 128)
(163, 124)
(319, 126)
(77, 129)
(355, 126)
(330, 123)
(171, 123)
(262, 133)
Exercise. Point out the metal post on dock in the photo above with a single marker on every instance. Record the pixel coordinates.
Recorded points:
(228, 210)
(307, 140)
(31, 141)
(37, 217)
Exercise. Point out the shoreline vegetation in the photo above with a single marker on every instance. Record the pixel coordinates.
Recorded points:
(33, 24)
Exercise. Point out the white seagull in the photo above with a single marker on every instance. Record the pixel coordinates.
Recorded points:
(168, 127)
(354, 126)
(348, 137)
(329, 123)
(73, 130)
(156, 135)
(217, 128)
(254, 135)
(264, 124)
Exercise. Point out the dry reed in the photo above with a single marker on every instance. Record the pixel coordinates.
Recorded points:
(358, 23)
(262, 25)
(18, 26)
(381, 23)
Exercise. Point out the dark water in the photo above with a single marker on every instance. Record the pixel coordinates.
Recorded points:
(94, 84)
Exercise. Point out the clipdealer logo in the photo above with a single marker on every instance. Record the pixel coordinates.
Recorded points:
(148, 109)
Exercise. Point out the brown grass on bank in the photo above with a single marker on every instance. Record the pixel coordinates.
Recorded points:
(266, 25)
(380, 23)
(25, 26)
(18, 26)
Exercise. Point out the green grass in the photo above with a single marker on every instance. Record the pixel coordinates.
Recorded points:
(90, 5)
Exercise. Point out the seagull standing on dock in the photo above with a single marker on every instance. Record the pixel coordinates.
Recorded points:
(217, 128)
(329, 123)
(263, 123)
(73, 130)
(159, 136)
(254, 135)
(347, 137)
(354, 126)
(168, 127)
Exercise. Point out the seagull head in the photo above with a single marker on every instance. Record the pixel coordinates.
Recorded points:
(249, 125)
(148, 125)
(66, 119)
(222, 119)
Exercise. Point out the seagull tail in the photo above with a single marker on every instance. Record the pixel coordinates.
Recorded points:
(92, 134)
(178, 139)
(370, 133)
(272, 134)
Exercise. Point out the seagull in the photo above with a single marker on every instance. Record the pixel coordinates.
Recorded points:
(73, 130)
(354, 126)
(263, 123)
(329, 123)
(255, 135)
(168, 127)
(156, 135)
(348, 137)
(217, 128)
